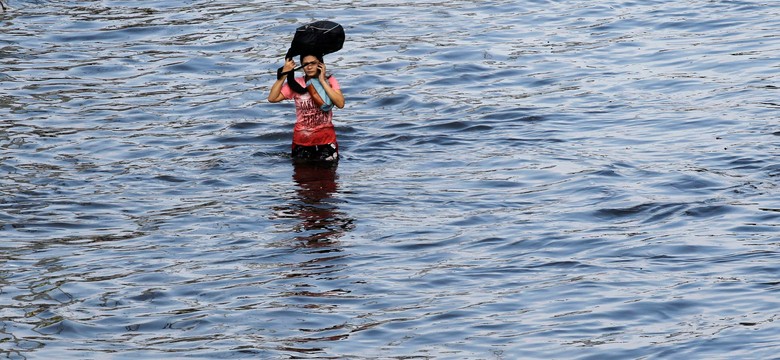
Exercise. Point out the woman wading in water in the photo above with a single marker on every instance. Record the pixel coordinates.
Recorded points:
(315, 94)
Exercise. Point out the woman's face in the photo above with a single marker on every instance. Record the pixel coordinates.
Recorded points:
(310, 66)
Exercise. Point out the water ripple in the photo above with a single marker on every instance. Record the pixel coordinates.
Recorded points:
(518, 180)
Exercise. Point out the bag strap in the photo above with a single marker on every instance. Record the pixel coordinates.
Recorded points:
(316, 91)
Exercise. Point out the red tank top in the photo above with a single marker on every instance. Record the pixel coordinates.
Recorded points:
(312, 126)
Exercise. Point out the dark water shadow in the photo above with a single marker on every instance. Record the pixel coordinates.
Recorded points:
(318, 282)
(315, 205)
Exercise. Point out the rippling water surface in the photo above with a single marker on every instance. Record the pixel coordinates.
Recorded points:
(520, 179)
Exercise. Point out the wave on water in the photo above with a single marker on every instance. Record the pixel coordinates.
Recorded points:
(517, 180)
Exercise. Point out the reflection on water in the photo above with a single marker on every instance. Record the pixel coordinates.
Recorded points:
(533, 179)
(320, 221)
(319, 280)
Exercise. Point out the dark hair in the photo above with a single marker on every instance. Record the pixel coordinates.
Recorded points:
(319, 58)
(291, 75)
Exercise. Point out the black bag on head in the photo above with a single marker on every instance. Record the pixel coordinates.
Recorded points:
(318, 38)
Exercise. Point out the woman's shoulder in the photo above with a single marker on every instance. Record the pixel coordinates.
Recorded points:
(334, 83)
